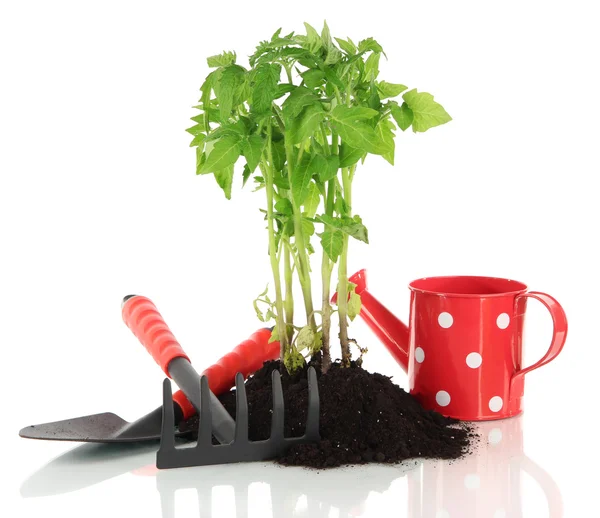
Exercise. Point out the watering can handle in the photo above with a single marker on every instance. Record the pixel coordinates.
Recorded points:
(547, 484)
(559, 321)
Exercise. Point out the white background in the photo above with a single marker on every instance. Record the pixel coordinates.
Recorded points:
(99, 199)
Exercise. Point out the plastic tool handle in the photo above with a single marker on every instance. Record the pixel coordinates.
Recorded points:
(246, 358)
(144, 320)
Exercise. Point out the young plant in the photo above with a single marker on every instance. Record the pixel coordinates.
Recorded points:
(303, 115)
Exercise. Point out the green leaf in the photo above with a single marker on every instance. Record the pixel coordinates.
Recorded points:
(305, 338)
(200, 159)
(374, 99)
(350, 155)
(195, 130)
(224, 154)
(354, 305)
(252, 149)
(198, 119)
(224, 178)
(313, 40)
(340, 205)
(334, 79)
(357, 134)
(313, 78)
(333, 53)
(306, 123)
(426, 112)
(369, 44)
(326, 35)
(198, 140)
(246, 174)
(332, 243)
(331, 169)
(283, 89)
(302, 175)
(207, 88)
(347, 46)
(284, 206)
(237, 129)
(297, 101)
(221, 60)
(372, 66)
(351, 226)
(403, 115)
(313, 198)
(278, 151)
(308, 229)
(385, 130)
(282, 182)
(259, 314)
(264, 87)
(293, 360)
(353, 113)
(390, 89)
(274, 335)
(231, 79)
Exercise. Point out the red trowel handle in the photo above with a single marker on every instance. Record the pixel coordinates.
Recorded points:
(147, 324)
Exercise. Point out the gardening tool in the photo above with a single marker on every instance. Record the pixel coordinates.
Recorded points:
(107, 427)
(142, 317)
(241, 449)
(463, 347)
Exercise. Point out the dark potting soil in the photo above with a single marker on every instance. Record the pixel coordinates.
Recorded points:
(364, 418)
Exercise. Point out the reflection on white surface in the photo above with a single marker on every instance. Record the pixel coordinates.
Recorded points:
(484, 484)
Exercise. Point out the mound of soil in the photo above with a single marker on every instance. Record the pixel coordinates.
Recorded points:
(364, 418)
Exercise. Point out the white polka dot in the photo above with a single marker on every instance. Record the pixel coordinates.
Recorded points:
(442, 513)
(495, 436)
(419, 355)
(445, 320)
(496, 404)
(503, 320)
(500, 513)
(472, 481)
(474, 360)
(442, 398)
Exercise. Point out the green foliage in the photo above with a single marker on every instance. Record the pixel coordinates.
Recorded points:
(354, 302)
(302, 117)
(426, 112)
(332, 242)
(221, 60)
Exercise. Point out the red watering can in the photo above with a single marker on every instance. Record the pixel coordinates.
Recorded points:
(463, 346)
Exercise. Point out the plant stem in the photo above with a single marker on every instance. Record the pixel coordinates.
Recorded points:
(267, 170)
(289, 296)
(303, 262)
(288, 73)
(343, 274)
(327, 267)
(326, 270)
(347, 176)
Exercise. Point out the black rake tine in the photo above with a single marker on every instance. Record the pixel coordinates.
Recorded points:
(312, 418)
(278, 407)
(241, 410)
(205, 425)
(167, 435)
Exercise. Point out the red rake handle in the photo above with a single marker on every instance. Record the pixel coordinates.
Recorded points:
(147, 324)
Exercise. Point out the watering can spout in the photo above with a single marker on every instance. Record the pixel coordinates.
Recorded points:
(392, 332)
